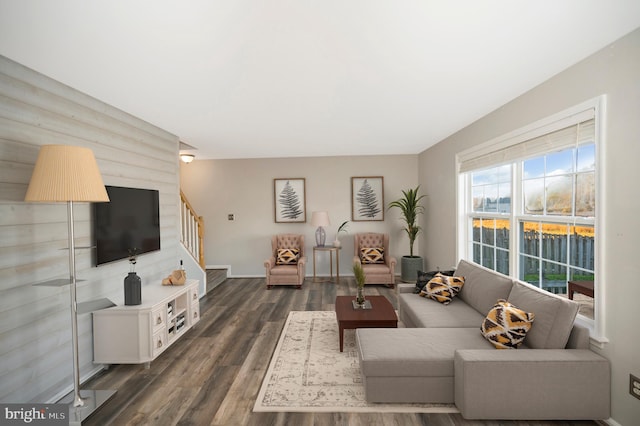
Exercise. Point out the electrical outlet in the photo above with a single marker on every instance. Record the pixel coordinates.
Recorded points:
(634, 386)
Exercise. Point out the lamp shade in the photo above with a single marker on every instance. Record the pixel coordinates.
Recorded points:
(66, 173)
(320, 219)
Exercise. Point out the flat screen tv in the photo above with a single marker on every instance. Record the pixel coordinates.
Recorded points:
(129, 221)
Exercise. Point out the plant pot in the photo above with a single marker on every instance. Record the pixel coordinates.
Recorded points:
(410, 265)
(132, 289)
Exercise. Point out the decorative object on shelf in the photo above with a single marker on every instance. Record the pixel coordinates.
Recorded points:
(410, 208)
(320, 219)
(341, 228)
(69, 174)
(367, 198)
(360, 302)
(132, 282)
(289, 200)
(132, 289)
(177, 277)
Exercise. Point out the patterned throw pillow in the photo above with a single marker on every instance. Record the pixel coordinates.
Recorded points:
(506, 326)
(442, 288)
(424, 277)
(287, 256)
(372, 255)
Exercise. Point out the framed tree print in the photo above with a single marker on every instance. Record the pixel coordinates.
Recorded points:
(289, 200)
(367, 198)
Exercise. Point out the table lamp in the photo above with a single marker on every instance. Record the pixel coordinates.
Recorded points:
(320, 219)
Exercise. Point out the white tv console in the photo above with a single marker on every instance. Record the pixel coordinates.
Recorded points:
(139, 333)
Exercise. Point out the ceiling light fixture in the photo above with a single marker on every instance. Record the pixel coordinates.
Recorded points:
(187, 158)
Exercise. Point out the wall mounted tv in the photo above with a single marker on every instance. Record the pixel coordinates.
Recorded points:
(130, 220)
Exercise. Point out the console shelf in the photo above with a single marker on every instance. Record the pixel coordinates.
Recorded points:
(138, 334)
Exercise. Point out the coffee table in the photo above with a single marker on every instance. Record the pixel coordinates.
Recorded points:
(381, 315)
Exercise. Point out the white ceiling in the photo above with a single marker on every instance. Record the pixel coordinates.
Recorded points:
(280, 78)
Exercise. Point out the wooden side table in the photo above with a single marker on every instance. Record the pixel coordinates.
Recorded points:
(331, 250)
(582, 287)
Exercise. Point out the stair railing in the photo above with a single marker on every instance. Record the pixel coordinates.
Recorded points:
(192, 230)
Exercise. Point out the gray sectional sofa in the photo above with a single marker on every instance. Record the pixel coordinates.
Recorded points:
(442, 357)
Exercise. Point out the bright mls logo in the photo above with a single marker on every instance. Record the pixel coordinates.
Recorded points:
(34, 414)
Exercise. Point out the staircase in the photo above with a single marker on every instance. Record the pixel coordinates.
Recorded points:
(192, 239)
(192, 230)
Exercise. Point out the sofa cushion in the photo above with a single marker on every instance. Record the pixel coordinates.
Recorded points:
(372, 255)
(416, 311)
(442, 288)
(284, 270)
(482, 286)
(554, 315)
(287, 256)
(410, 352)
(506, 326)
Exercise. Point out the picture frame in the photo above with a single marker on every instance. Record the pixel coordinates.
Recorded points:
(367, 198)
(289, 200)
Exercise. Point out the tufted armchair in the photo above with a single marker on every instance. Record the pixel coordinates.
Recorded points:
(285, 270)
(382, 272)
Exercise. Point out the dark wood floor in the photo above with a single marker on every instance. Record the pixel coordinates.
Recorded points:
(211, 376)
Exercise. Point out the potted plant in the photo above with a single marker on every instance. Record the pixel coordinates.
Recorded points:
(341, 228)
(358, 273)
(410, 208)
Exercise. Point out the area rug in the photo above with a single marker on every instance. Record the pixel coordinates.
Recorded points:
(308, 373)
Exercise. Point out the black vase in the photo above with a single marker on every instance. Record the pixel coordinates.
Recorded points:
(132, 289)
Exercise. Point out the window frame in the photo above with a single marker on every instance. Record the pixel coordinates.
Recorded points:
(485, 152)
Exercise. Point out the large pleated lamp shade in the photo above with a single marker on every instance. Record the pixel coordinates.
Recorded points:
(66, 173)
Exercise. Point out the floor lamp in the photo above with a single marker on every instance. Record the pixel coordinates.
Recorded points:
(68, 174)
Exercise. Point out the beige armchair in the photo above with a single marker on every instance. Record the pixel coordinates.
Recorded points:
(381, 271)
(284, 267)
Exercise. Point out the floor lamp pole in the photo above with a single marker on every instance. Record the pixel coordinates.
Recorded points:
(78, 401)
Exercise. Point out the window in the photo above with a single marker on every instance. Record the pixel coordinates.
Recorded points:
(491, 206)
(530, 205)
(559, 189)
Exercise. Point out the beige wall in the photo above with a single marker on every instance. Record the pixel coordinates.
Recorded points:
(217, 188)
(615, 72)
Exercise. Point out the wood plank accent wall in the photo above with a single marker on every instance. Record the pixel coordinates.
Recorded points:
(35, 337)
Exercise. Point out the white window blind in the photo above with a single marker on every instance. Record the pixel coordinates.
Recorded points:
(572, 131)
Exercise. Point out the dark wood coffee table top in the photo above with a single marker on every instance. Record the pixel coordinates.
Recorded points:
(382, 315)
